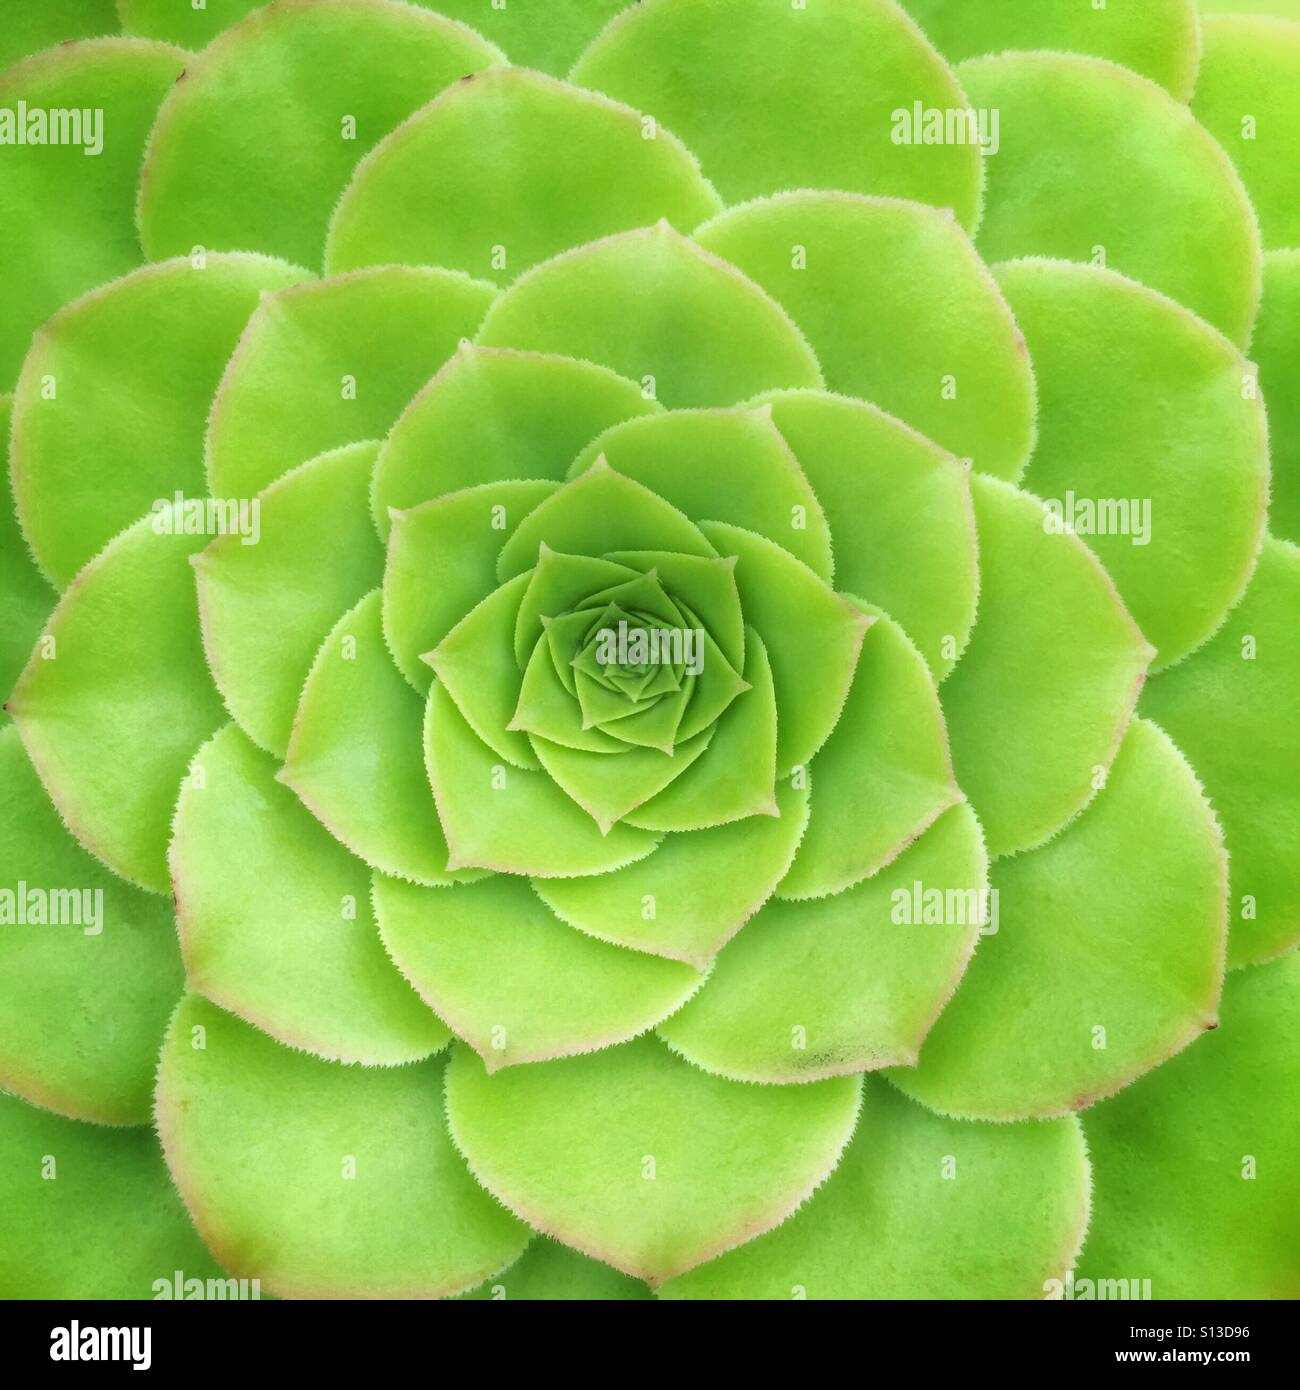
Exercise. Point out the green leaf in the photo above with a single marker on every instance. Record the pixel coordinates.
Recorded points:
(709, 586)
(31, 28)
(88, 1212)
(521, 196)
(598, 512)
(678, 455)
(694, 893)
(1198, 1165)
(509, 820)
(730, 76)
(608, 787)
(383, 61)
(634, 1157)
(739, 777)
(1052, 635)
(921, 1207)
(657, 308)
(475, 665)
(842, 984)
(812, 635)
(331, 363)
(899, 309)
(268, 600)
(1109, 941)
(876, 479)
(85, 998)
(96, 443)
(1231, 710)
(89, 236)
(25, 596)
(442, 561)
(1127, 163)
(883, 776)
(354, 756)
(491, 415)
(1158, 38)
(1174, 503)
(558, 583)
(184, 24)
(357, 1190)
(1274, 348)
(549, 1270)
(288, 943)
(116, 697)
(545, 36)
(515, 983)
(547, 707)
(1246, 97)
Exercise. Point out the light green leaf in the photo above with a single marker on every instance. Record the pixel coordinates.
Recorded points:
(491, 415)
(96, 442)
(1232, 711)
(842, 984)
(521, 196)
(900, 310)
(921, 1207)
(354, 756)
(1109, 943)
(812, 635)
(729, 75)
(1276, 350)
(116, 697)
(694, 893)
(25, 596)
(380, 61)
(85, 997)
(1158, 38)
(634, 1157)
(331, 363)
(106, 1224)
(1174, 503)
(442, 561)
(1128, 162)
(547, 36)
(1198, 1165)
(722, 465)
(357, 1190)
(559, 583)
(269, 597)
(67, 222)
(654, 306)
(883, 776)
(516, 984)
(709, 586)
(30, 28)
(1246, 97)
(551, 1271)
(288, 943)
(509, 820)
(1052, 635)
(875, 478)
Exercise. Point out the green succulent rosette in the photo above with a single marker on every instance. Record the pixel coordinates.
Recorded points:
(636, 669)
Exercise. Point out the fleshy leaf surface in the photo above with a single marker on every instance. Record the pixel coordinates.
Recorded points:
(106, 968)
(921, 1207)
(383, 61)
(1276, 350)
(656, 307)
(331, 363)
(634, 1157)
(1231, 709)
(900, 310)
(31, 28)
(1127, 163)
(841, 984)
(110, 407)
(287, 944)
(515, 983)
(520, 196)
(1109, 943)
(548, 1270)
(1052, 635)
(727, 76)
(357, 1191)
(117, 696)
(25, 594)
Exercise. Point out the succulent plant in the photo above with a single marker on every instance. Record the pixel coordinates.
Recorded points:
(646, 652)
